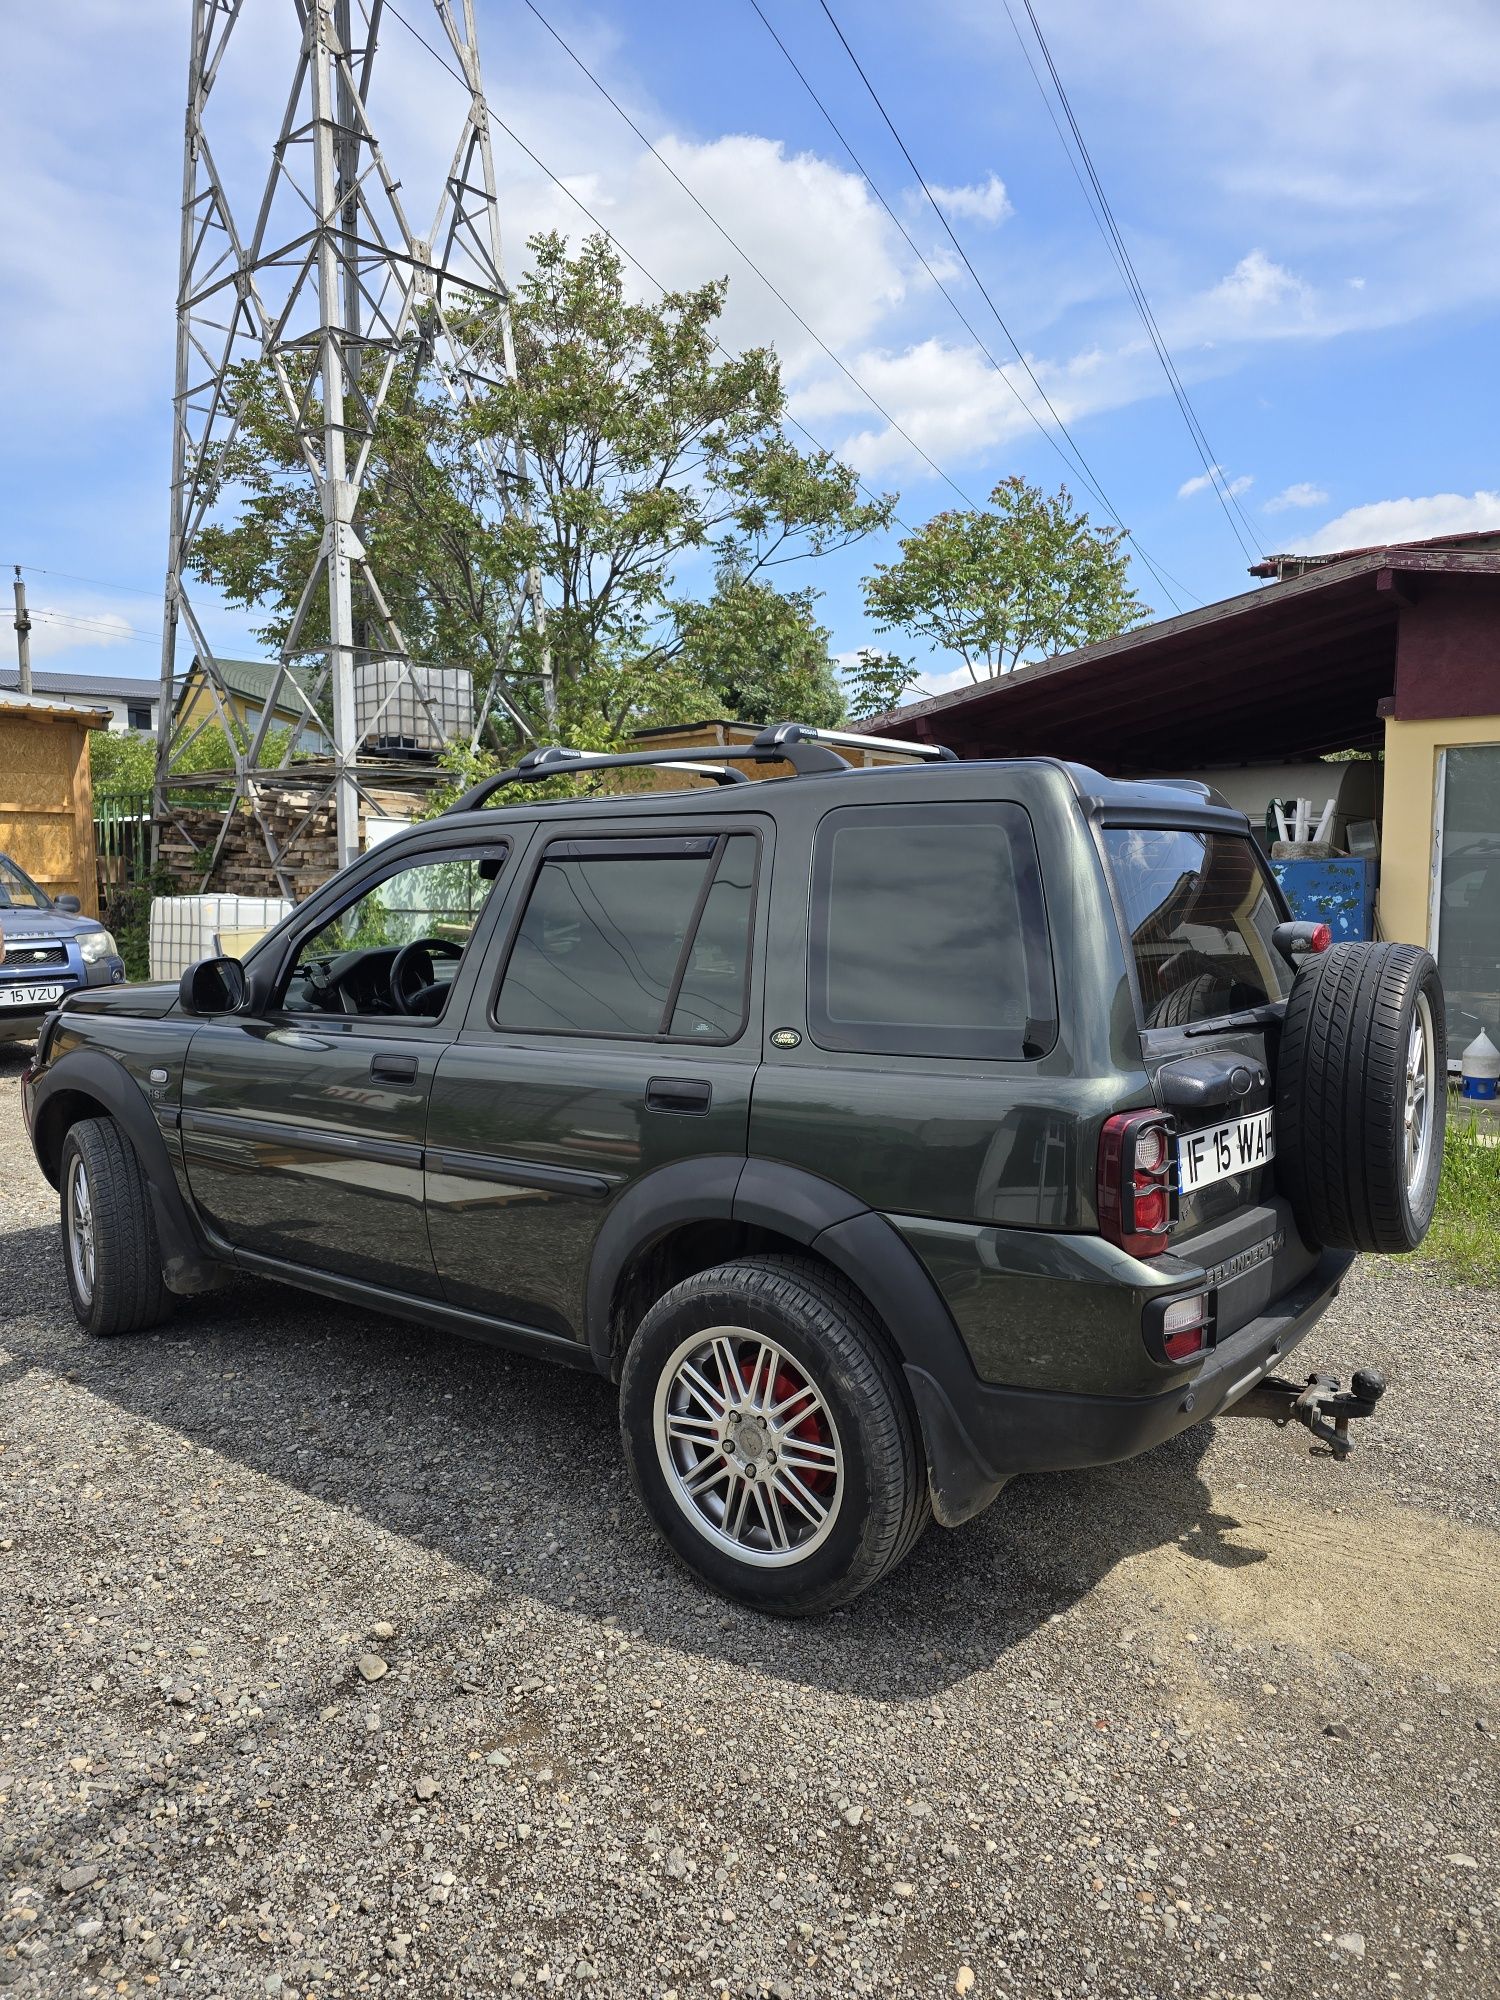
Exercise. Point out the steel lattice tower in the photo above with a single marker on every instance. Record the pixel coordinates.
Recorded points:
(325, 283)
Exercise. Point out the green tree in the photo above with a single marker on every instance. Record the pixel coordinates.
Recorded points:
(877, 681)
(122, 765)
(759, 653)
(1026, 576)
(644, 446)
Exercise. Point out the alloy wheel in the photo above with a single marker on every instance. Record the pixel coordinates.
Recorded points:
(748, 1446)
(81, 1230)
(1421, 1091)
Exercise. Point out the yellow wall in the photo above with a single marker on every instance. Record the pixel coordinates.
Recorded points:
(197, 704)
(1410, 816)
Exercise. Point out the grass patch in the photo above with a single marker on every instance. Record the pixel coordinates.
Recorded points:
(1465, 1233)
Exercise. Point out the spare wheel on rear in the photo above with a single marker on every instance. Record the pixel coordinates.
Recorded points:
(1361, 1096)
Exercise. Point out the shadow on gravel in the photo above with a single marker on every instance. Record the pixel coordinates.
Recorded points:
(512, 1468)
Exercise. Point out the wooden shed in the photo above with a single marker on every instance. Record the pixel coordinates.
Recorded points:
(47, 796)
(699, 740)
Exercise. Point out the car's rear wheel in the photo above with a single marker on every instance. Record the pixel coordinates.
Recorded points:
(768, 1432)
(110, 1249)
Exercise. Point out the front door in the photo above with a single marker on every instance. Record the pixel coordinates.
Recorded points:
(303, 1129)
(621, 1034)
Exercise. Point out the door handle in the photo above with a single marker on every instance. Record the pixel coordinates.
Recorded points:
(678, 1093)
(394, 1069)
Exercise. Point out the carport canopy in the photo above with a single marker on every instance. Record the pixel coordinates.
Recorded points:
(1292, 670)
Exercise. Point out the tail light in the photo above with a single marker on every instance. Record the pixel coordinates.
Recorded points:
(1135, 1181)
(1296, 940)
(1180, 1329)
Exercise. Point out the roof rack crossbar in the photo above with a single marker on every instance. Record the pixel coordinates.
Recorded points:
(785, 733)
(809, 751)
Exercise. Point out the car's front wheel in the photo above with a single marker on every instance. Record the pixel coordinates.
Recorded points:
(768, 1432)
(110, 1249)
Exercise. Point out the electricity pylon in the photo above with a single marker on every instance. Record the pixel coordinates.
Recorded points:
(324, 284)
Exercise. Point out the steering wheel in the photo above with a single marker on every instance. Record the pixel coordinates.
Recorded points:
(413, 976)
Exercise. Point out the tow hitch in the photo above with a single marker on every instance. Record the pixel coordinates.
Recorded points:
(1319, 1402)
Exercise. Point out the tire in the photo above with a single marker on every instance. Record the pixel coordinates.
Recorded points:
(110, 1252)
(1200, 997)
(1359, 1129)
(855, 1455)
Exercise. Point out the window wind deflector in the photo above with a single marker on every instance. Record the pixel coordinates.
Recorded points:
(655, 847)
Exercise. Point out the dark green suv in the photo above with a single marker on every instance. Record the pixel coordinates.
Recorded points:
(883, 1132)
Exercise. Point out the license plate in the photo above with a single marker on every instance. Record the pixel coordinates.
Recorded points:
(1237, 1147)
(29, 996)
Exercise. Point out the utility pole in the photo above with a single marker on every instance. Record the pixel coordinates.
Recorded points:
(319, 280)
(23, 631)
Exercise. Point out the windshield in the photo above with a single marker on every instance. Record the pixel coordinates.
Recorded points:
(18, 891)
(1200, 910)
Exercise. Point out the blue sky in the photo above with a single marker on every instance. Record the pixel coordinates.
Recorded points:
(1307, 194)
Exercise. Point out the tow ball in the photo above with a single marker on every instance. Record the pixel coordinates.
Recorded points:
(1320, 1403)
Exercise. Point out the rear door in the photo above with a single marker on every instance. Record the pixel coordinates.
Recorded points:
(617, 1029)
(1198, 908)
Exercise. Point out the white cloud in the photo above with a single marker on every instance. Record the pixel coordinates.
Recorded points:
(1258, 290)
(1380, 522)
(949, 400)
(1303, 493)
(983, 201)
(1215, 477)
(61, 625)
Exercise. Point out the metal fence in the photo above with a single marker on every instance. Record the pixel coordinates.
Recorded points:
(124, 839)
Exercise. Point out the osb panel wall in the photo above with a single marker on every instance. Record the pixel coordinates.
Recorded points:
(47, 803)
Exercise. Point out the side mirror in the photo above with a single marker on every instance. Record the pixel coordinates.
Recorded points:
(213, 986)
(69, 903)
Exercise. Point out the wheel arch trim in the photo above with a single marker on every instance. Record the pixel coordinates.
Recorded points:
(859, 1242)
(187, 1264)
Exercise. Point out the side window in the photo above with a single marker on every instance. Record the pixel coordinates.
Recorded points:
(929, 933)
(396, 948)
(644, 938)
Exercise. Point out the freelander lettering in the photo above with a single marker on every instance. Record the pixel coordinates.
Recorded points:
(1246, 1260)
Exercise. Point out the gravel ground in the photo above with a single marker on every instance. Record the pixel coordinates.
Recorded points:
(336, 1658)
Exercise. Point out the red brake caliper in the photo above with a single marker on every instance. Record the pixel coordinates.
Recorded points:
(812, 1429)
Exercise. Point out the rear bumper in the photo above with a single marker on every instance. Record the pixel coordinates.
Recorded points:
(1000, 1431)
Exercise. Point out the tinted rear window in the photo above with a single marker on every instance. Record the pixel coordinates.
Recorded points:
(1199, 909)
(617, 941)
(929, 933)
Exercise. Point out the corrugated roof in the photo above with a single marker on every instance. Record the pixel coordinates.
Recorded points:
(254, 679)
(108, 687)
(53, 711)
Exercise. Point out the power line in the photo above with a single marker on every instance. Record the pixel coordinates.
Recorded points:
(1104, 219)
(780, 296)
(984, 290)
(744, 254)
(1077, 463)
(98, 625)
(135, 589)
(610, 237)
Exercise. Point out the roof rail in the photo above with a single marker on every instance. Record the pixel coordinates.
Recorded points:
(806, 749)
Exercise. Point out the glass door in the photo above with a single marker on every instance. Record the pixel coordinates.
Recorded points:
(1466, 892)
